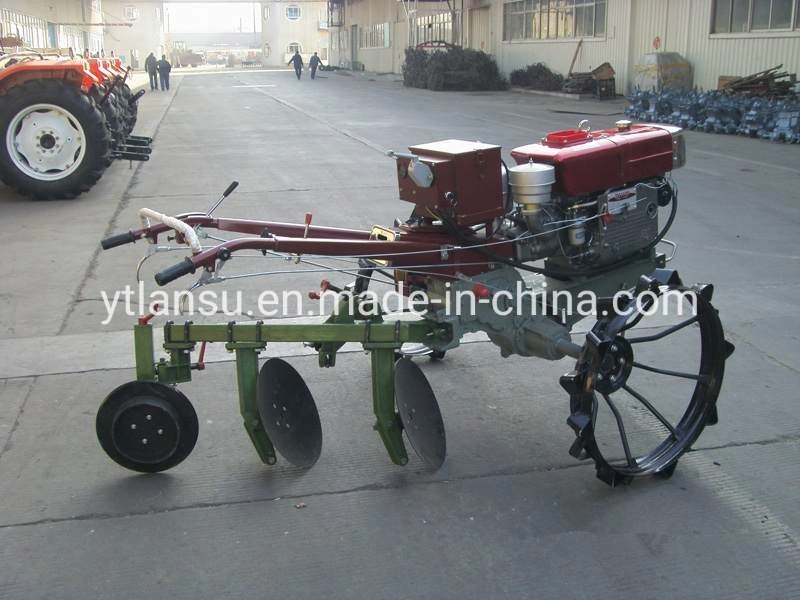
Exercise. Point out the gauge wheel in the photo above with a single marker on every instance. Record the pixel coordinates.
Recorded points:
(146, 426)
(54, 141)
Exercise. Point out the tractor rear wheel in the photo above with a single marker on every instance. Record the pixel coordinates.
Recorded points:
(647, 382)
(54, 142)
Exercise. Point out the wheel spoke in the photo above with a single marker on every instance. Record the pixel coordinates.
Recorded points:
(663, 334)
(633, 322)
(621, 427)
(651, 408)
(700, 378)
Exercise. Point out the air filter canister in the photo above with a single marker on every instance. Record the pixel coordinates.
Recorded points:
(531, 184)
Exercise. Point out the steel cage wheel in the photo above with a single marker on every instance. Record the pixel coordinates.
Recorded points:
(146, 426)
(635, 376)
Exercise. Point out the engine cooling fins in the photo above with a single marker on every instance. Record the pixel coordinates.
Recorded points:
(645, 426)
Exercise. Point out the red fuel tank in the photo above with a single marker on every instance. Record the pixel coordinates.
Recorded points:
(466, 184)
(592, 161)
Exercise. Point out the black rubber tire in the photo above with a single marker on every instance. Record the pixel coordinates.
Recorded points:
(171, 406)
(113, 119)
(84, 110)
(132, 110)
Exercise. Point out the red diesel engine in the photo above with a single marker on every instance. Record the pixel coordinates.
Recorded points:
(584, 200)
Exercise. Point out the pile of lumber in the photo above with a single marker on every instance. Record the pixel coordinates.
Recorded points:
(577, 83)
(771, 82)
(10, 41)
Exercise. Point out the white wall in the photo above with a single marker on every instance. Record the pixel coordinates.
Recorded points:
(557, 54)
(681, 25)
(68, 17)
(143, 37)
(725, 54)
(277, 32)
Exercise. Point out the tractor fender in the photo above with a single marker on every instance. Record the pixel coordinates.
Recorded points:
(72, 72)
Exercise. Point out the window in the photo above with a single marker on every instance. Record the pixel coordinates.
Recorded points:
(742, 16)
(340, 40)
(293, 12)
(294, 47)
(266, 13)
(131, 13)
(553, 19)
(336, 16)
(374, 36)
(31, 30)
(434, 28)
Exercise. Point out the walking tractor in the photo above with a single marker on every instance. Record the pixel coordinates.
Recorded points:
(487, 248)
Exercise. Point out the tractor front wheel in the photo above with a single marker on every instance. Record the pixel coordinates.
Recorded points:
(54, 142)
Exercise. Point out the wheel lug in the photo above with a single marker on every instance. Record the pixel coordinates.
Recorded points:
(160, 432)
(133, 425)
(144, 441)
(149, 417)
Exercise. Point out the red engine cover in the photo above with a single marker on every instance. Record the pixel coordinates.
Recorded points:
(470, 170)
(587, 162)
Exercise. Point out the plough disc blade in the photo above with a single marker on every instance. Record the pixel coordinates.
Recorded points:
(419, 413)
(288, 413)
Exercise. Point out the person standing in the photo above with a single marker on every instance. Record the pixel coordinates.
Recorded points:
(297, 60)
(164, 67)
(313, 63)
(150, 67)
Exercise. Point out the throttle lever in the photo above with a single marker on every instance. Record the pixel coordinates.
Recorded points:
(234, 184)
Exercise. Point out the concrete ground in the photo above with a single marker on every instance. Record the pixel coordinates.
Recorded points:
(510, 514)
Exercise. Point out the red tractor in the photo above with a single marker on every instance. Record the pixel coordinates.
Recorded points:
(62, 122)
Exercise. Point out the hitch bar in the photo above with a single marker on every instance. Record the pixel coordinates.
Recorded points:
(135, 97)
(139, 143)
(134, 148)
(130, 155)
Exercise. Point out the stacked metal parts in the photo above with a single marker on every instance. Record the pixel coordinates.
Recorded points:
(755, 106)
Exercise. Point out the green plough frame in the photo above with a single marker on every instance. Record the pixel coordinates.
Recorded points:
(381, 339)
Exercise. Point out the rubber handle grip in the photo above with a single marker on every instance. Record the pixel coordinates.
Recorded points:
(231, 187)
(118, 240)
(172, 273)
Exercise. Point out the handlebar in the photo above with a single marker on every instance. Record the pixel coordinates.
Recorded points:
(188, 233)
(118, 240)
(172, 273)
